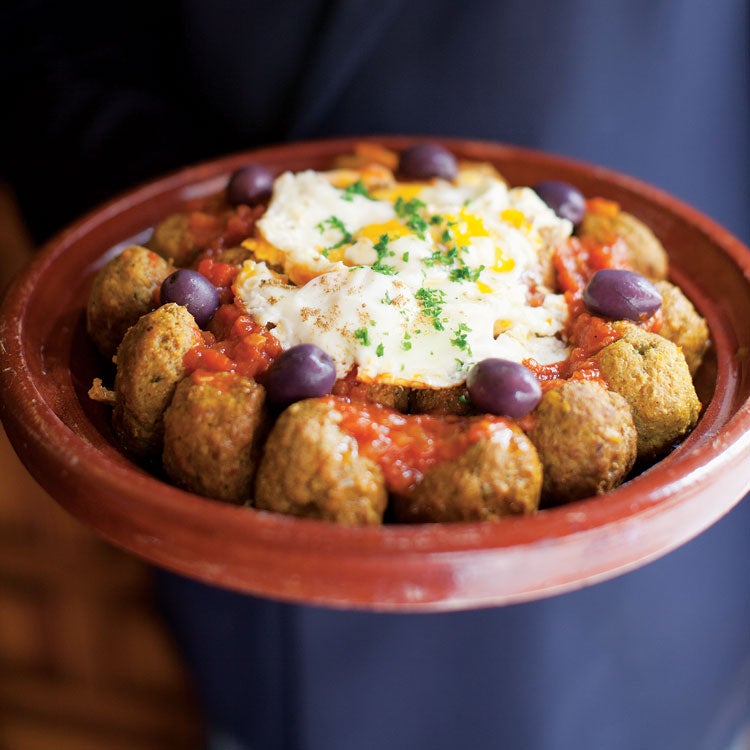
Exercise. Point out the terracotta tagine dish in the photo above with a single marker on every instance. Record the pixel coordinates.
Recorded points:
(66, 441)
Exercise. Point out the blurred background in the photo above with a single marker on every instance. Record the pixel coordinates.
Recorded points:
(100, 96)
(85, 660)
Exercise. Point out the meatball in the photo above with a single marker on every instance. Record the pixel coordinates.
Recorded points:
(395, 396)
(173, 239)
(123, 290)
(652, 375)
(234, 256)
(149, 366)
(682, 324)
(646, 253)
(310, 467)
(454, 400)
(585, 438)
(499, 475)
(213, 429)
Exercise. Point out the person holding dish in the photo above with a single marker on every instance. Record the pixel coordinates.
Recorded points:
(659, 657)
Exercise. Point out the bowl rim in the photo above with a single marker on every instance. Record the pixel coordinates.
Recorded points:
(69, 466)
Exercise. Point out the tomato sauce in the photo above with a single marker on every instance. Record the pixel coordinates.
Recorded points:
(575, 262)
(221, 275)
(214, 228)
(406, 445)
(235, 343)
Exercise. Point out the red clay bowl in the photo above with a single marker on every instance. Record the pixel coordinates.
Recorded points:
(65, 442)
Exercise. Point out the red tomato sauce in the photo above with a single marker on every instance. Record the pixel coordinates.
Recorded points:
(216, 227)
(576, 261)
(235, 343)
(221, 275)
(406, 445)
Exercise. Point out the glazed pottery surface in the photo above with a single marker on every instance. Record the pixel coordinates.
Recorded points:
(64, 438)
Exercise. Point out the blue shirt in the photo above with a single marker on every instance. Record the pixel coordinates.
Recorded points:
(659, 89)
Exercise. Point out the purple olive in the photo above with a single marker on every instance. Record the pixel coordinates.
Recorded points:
(502, 387)
(427, 160)
(304, 371)
(620, 294)
(194, 291)
(250, 185)
(563, 198)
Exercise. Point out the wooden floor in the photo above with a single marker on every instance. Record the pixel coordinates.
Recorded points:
(85, 661)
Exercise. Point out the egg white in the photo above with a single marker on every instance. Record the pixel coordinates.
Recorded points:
(410, 287)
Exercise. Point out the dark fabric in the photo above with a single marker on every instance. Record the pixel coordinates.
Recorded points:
(98, 97)
(658, 658)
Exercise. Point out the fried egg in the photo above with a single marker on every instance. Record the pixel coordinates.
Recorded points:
(411, 284)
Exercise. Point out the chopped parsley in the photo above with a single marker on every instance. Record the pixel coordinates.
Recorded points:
(335, 223)
(452, 255)
(459, 340)
(406, 343)
(431, 301)
(381, 248)
(379, 350)
(446, 257)
(409, 211)
(464, 273)
(363, 336)
(356, 188)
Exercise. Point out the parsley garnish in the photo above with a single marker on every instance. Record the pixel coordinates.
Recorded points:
(409, 210)
(356, 188)
(443, 257)
(464, 273)
(335, 223)
(363, 336)
(381, 248)
(379, 351)
(459, 341)
(431, 301)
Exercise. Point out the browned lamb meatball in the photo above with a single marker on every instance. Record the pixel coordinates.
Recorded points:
(454, 400)
(310, 467)
(499, 475)
(682, 324)
(149, 366)
(213, 429)
(395, 396)
(235, 255)
(652, 375)
(586, 440)
(645, 251)
(122, 291)
(173, 239)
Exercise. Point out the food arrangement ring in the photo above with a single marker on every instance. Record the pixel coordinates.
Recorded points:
(66, 441)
